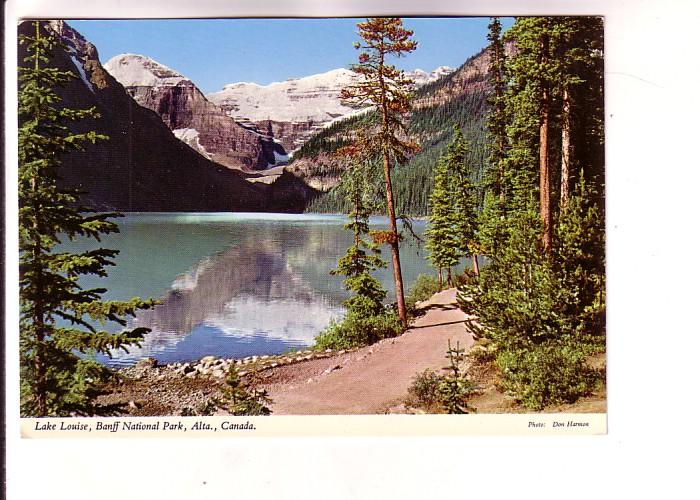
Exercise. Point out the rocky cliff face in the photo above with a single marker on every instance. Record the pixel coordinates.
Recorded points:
(143, 167)
(202, 125)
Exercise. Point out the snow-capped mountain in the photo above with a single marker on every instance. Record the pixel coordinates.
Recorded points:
(311, 98)
(421, 77)
(297, 107)
(134, 70)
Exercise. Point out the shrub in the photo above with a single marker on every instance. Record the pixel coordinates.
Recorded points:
(541, 312)
(546, 374)
(356, 330)
(425, 286)
(447, 393)
(242, 398)
(424, 391)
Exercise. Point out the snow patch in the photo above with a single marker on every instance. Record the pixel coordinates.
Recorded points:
(280, 158)
(190, 137)
(81, 71)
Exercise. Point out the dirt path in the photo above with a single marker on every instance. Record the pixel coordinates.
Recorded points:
(376, 378)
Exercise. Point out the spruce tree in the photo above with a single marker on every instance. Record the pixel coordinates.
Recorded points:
(387, 88)
(442, 243)
(363, 255)
(497, 119)
(465, 199)
(58, 316)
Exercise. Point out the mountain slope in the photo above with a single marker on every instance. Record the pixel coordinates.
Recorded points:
(143, 167)
(456, 98)
(193, 119)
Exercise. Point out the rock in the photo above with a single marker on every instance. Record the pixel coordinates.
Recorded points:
(218, 373)
(146, 363)
(206, 360)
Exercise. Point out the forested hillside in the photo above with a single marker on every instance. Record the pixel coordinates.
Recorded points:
(458, 98)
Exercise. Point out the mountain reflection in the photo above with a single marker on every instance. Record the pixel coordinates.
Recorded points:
(248, 291)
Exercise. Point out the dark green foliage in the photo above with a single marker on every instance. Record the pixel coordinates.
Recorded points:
(363, 256)
(433, 125)
(356, 330)
(58, 317)
(422, 289)
(516, 295)
(452, 229)
(545, 374)
(544, 308)
(334, 136)
(536, 313)
(442, 244)
(456, 387)
(367, 319)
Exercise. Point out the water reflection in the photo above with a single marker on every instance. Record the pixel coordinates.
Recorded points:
(248, 293)
(234, 287)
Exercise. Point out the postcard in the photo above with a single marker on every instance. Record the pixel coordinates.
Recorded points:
(311, 226)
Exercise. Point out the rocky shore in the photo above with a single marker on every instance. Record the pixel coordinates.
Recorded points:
(148, 388)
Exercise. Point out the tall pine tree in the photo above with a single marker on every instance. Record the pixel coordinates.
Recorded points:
(388, 89)
(58, 316)
(363, 256)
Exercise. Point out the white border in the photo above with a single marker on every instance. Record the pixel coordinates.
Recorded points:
(652, 179)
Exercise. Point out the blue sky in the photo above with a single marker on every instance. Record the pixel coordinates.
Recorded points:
(215, 52)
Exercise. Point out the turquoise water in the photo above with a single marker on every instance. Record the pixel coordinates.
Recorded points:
(234, 284)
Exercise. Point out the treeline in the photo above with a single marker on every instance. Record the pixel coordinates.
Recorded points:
(540, 302)
(333, 137)
(413, 181)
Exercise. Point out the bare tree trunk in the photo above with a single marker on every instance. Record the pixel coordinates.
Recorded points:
(545, 181)
(395, 259)
(440, 278)
(475, 264)
(565, 149)
(449, 277)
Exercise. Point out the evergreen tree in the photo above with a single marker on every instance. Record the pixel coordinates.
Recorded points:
(497, 119)
(57, 316)
(452, 232)
(465, 202)
(442, 244)
(387, 88)
(366, 320)
(541, 300)
(363, 256)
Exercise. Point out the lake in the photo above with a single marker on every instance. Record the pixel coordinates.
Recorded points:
(234, 284)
